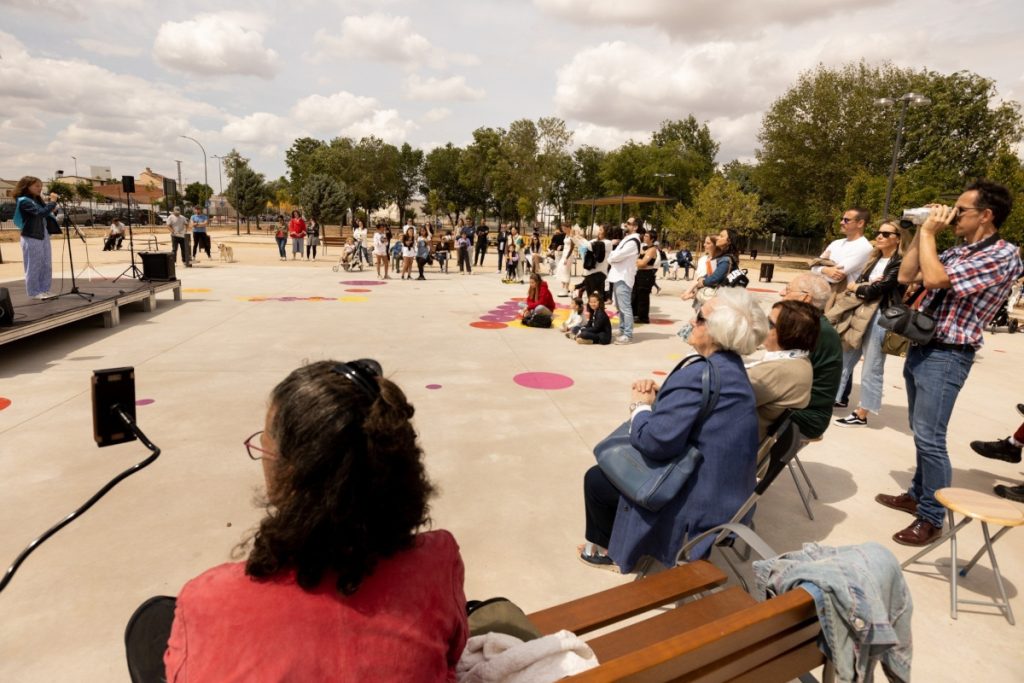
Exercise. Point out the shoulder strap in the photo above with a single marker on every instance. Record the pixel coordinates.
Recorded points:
(711, 389)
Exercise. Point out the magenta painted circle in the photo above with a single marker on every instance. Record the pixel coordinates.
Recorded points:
(144, 401)
(357, 289)
(433, 386)
(498, 318)
(543, 380)
(362, 283)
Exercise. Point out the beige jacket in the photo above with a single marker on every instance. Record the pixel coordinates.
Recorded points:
(778, 386)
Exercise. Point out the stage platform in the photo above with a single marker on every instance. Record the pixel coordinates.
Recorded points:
(32, 316)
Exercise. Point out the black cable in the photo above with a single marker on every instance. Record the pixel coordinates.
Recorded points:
(89, 503)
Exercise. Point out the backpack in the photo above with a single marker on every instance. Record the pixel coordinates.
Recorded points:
(589, 260)
(598, 248)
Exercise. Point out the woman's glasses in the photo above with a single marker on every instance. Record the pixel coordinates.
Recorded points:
(254, 451)
(887, 234)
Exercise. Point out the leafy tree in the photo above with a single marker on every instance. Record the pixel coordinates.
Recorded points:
(1007, 169)
(376, 182)
(64, 192)
(301, 159)
(324, 198)
(198, 193)
(409, 177)
(484, 184)
(247, 190)
(441, 173)
(718, 204)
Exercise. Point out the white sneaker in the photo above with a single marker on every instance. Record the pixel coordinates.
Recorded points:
(623, 339)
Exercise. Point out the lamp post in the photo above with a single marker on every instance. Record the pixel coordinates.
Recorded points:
(76, 166)
(905, 101)
(220, 177)
(206, 177)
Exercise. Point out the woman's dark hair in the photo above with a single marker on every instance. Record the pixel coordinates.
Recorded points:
(578, 303)
(350, 486)
(22, 189)
(733, 250)
(616, 233)
(534, 291)
(600, 301)
(296, 214)
(797, 326)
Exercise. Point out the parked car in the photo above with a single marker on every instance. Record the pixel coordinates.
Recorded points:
(138, 216)
(80, 215)
(7, 211)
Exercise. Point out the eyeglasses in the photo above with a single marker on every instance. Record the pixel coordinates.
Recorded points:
(255, 452)
(844, 219)
(886, 233)
(961, 209)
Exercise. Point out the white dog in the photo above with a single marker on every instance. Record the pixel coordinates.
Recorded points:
(226, 253)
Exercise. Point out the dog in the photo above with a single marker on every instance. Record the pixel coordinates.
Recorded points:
(226, 253)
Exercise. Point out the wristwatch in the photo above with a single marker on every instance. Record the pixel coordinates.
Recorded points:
(635, 404)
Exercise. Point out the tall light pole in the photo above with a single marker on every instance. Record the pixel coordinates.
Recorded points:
(76, 166)
(206, 178)
(220, 176)
(905, 101)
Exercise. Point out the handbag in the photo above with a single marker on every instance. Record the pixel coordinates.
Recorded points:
(737, 278)
(917, 326)
(894, 344)
(653, 483)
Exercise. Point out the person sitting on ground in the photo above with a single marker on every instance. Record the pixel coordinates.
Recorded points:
(782, 378)
(598, 328)
(1008, 450)
(540, 305)
(726, 327)
(116, 235)
(574, 322)
(340, 582)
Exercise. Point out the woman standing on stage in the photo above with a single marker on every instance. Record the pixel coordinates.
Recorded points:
(36, 221)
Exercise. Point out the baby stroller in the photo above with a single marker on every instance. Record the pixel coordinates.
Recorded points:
(1003, 319)
(349, 260)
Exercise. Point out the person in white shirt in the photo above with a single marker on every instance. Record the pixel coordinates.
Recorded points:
(380, 250)
(359, 237)
(850, 252)
(621, 275)
(178, 227)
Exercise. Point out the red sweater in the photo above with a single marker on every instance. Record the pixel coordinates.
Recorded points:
(406, 622)
(544, 298)
(296, 227)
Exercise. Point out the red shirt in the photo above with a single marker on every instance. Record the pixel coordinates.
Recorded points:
(406, 622)
(296, 227)
(544, 298)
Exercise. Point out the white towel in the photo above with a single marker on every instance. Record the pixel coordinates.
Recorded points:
(500, 658)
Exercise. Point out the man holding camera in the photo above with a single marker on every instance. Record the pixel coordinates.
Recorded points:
(965, 285)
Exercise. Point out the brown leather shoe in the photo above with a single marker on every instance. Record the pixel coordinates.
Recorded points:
(921, 532)
(902, 502)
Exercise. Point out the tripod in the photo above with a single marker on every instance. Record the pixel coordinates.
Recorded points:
(71, 257)
(133, 269)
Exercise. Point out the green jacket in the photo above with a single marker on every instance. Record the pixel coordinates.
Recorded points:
(827, 362)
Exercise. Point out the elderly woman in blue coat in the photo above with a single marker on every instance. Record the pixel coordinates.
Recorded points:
(619, 533)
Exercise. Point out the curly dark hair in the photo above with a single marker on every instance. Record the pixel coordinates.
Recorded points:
(351, 488)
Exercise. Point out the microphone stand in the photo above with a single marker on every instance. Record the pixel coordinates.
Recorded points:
(133, 269)
(68, 224)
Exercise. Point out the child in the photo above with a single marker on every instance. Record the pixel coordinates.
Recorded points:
(396, 256)
(574, 322)
(598, 329)
(348, 250)
(511, 264)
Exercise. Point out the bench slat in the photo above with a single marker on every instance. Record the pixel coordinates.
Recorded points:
(659, 627)
(786, 667)
(615, 604)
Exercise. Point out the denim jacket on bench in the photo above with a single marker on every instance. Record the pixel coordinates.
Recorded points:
(863, 604)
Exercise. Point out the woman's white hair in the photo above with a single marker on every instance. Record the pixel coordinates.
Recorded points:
(736, 322)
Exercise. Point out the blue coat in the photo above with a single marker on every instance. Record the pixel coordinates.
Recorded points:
(721, 484)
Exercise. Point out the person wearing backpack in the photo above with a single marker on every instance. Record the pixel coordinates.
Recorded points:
(36, 221)
(595, 264)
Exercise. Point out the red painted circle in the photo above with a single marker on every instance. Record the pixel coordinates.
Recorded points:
(659, 373)
(486, 325)
(144, 401)
(660, 321)
(358, 290)
(4, 402)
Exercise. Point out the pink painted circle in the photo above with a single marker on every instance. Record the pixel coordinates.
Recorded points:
(660, 321)
(487, 325)
(4, 403)
(518, 298)
(357, 289)
(362, 283)
(499, 318)
(433, 386)
(144, 401)
(543, 380)
(659, 373)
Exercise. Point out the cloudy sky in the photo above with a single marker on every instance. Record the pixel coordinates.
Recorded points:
(116, 82)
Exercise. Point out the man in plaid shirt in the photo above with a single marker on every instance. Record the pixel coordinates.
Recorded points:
(972, 279)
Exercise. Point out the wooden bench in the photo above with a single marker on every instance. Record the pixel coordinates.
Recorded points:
(721, 636)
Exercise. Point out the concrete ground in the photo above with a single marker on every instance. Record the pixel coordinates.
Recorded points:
(508, 460)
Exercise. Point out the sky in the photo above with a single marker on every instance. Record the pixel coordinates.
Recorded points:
(117, 82)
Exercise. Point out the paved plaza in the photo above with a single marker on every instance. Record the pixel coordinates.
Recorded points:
(508, 459)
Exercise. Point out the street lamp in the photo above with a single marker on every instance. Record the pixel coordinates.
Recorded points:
(905, 101)
(220, 177)
(76, 166)
(206, 179)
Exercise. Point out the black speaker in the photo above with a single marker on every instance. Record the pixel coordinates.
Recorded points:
(170, 192)
(6, 308)
(157, 265)
(128, 183)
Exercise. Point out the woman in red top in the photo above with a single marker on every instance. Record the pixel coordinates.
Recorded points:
(338, 585)
(297, 231)
(539, 303)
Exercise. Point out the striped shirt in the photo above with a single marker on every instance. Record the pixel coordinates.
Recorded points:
(980, 276)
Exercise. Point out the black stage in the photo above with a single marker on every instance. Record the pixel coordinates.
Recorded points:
(32, 316)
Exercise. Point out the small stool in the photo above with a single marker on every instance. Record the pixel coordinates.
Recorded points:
(987, 509)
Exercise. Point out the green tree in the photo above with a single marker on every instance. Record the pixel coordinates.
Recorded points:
(408, 176)
(64, 191)
(302, 159)
(374, 186)
(718, 204)
(1006, 168)
(247, 191)
(198, 193)
(441, 175)
(323, 198)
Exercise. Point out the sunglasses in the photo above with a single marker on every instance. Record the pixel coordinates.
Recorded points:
(886, 233)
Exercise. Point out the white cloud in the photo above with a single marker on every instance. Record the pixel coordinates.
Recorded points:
(110, 48)
(221, 43)
(70, 9)
(606, 137)
(260, 128)
(23, 122)
(706, 19)
(437, 114)
(383, 38)
(326, 114)
(441, 89)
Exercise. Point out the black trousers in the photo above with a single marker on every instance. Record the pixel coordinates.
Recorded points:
(501, 256)
(464, 263)
(201, 241)
(420, 262)
(481, 252)
(601, 500)
(641, 296)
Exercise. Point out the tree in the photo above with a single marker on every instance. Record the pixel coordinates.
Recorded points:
(323, 198)
(376, 182)
(441, 174)
(198, 193)
(247, 191)
(409, 177)
(718, 204)
(301, 159)
(64, 192)
(1007, 169)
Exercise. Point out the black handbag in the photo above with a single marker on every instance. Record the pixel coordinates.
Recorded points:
(653, 483)
(917, 326)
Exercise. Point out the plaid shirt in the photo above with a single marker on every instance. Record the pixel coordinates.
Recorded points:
(980, 275)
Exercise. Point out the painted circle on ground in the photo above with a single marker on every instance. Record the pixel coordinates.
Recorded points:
(659, 373)
(144, 401)
(518, 298)
(763, 291)
(433, 386)
(362, 283)
(487, 325)
(358, 290)
(4, 403)
(543, 380)
(354, 299)
(195, 290)
(661, 321)
(498, 318)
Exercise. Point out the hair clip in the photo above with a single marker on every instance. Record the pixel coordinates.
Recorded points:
(363, 373)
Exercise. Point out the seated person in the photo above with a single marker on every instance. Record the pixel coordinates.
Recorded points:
(725, 327)
(539, 303)
(574, 322)
(115, 237)
(598, 328)
(511, 264)
(782, 378)
(340, 583)
(349, 250)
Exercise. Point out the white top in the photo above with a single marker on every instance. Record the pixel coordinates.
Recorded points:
(359, 234)
(879, 269)
(701, 269)
(178, 225)
(622, 260)
(852, 255)
(380, 243)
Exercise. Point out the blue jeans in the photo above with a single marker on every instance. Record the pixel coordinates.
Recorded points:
(37, 258)
(873, 372)
(934, 378)
(282, 242)
(624, 305)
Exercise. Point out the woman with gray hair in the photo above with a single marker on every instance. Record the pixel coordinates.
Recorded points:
(619, 533)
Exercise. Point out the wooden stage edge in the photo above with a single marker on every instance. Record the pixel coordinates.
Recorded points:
(32, 316)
